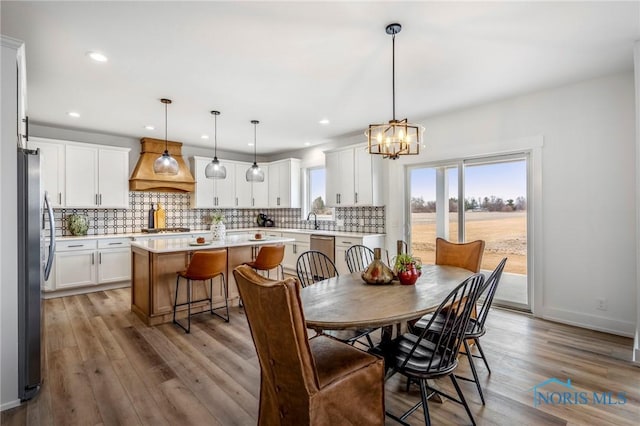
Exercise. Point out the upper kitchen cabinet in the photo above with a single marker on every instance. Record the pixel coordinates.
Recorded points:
(284, 184)
(96, 176)
(212, 193)
(51, 168)
(260, 190)
(353, 178)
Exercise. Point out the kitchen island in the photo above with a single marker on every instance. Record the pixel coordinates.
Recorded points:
(154, 264)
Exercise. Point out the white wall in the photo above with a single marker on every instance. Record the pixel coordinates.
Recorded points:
(8, 232)
(588, 218)
(636, 344)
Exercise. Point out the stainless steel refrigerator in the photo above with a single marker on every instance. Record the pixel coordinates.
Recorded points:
(35, 257)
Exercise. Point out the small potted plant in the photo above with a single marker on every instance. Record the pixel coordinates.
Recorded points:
(408, 268)
(218, 230)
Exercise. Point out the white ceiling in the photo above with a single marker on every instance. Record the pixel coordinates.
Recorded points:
(291, 64)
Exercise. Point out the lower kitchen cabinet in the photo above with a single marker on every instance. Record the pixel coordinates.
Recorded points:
(343, 244)
(293, 250)
(83, 264)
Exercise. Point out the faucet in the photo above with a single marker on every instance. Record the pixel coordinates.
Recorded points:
(315, 219)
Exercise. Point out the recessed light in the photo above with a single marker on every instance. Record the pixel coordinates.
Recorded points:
(73, 114)
(324, 121)
(204, 137)
(250, 144)
(307, 143)
(97, 56)
(149, 127)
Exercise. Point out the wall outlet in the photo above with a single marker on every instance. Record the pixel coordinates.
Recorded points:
(601, 304)
(339, 222)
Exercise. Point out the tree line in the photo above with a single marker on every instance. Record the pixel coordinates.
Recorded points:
(491, 204)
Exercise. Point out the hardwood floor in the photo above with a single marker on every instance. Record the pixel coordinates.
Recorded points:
(104, 366)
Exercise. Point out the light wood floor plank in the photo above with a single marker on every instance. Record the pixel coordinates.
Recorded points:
(105, 366)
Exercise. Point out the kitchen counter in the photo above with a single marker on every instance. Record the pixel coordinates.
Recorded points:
(172, 245)
(252, 231)
(155, 262)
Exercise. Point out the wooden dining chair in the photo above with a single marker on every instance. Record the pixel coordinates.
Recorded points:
(462, 255)
(358, 257)
(318, 381)
(435, 355)
(313, 266)
(475, 328)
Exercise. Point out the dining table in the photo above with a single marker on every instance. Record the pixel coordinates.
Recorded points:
(348, 302)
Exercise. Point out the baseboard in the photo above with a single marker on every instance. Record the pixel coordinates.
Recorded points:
(591, 322)
(84, 290)
(10, 404)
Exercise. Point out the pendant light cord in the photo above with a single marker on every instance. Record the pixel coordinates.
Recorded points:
(393, 72)
(166, 143)
(255, 133)
(215, 136)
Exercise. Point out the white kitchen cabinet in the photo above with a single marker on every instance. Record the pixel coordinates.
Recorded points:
(242, 187)
(294, 249)
(260, 190)
(113, 178)
(51, 169)
(90, 262)
(340, 178)
(212, 193)
(75, 264)
(353, 178)
(343, 244)
(202, 197)
(96, 176)
(284, 184)
(114, 260)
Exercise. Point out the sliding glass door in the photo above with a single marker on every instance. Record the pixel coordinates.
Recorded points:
(493, 191)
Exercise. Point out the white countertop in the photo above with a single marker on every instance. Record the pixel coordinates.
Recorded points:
(229, 231)
(169, 245)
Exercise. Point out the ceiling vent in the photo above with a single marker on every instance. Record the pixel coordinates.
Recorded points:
(144, 178)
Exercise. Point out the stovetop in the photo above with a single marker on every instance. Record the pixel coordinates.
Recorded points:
(162, 230)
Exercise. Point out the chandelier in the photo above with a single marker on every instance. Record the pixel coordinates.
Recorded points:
(397, 137)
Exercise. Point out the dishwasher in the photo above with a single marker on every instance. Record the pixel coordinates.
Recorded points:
(324, 244)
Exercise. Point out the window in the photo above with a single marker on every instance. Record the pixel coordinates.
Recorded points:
(494, 192)
(317, 194)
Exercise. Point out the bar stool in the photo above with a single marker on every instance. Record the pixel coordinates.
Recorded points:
(269, 257)
(204, 265)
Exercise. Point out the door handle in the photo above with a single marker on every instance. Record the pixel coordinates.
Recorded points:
(52, 237)
(93, 258)
(26, 128)
(236, 201)
(356, 197)
(76, 245)
(100, 258)
(60, 198)
(100, 198)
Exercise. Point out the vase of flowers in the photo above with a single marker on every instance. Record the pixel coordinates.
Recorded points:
(408, 268)
(218, 230)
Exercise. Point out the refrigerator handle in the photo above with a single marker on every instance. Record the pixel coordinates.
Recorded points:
(52, 236)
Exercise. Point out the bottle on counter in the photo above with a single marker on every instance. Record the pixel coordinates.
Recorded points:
(160, 217)
(152, 217)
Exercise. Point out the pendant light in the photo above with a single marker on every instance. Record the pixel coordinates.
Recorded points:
(254, 173)
(214, 169)
(397, 137)
(165, 164)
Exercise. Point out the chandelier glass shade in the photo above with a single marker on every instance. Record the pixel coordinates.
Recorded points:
(397, 137)
(165, 164)
(214, 169)
(254, 173)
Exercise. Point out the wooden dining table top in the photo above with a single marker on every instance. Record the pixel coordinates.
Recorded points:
(347, 302)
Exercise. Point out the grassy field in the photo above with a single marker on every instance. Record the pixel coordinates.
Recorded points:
(505, 235)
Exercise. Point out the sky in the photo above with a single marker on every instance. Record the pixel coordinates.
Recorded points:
(506, 180)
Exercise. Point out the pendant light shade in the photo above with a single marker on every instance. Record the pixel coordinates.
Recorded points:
(214, 169)
(165, 164)
(254, 173)
(397, 137)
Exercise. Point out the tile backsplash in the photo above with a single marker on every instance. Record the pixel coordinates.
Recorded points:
(180, 214)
